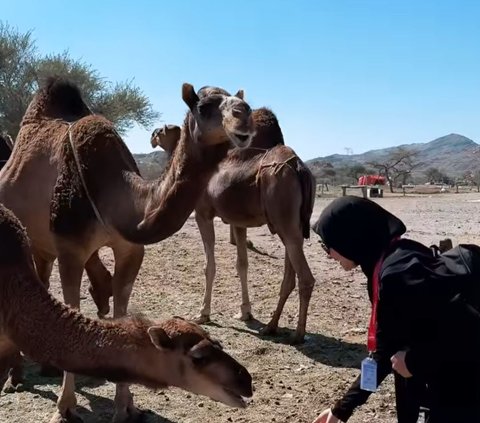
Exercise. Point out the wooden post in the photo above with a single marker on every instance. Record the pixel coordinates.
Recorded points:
(344, 190)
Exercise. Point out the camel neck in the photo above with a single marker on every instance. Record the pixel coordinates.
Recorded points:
(173, 197)
(49, 332)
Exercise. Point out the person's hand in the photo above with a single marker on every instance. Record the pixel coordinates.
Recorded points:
(326, 416)
(398, 364)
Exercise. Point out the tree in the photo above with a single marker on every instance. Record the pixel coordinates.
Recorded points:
(434, 175)
(355, 171)
(23, 69)
(397, 166)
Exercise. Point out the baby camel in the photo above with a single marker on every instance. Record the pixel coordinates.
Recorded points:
(266, 183)
(133, 350)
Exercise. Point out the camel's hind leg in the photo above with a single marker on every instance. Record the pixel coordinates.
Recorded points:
(100, 284)
(288, 284)
(242, 270)
(207, 232)
(128, 259)
(295, 263)
(306, 282)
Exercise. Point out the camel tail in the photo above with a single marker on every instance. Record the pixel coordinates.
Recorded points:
(308, 187)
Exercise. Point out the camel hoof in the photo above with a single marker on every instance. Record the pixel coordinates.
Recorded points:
(11, 388)
(50, 371)
(268, 331)
(202, 319)
(71, 416)
(244, 316)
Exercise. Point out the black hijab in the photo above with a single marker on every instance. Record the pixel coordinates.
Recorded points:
(358, 229)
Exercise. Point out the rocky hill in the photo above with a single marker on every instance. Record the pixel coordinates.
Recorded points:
(452, 154)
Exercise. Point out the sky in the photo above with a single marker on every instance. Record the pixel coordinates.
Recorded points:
(338, 74)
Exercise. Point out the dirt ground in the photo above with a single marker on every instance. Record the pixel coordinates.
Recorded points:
(292, 383)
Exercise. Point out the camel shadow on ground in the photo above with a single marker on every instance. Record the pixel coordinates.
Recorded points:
(101, 408)
(321, 348)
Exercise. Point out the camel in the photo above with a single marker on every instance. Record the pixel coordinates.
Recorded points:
(75, 186)
(157, 355)
(6, 147)
(266, 183)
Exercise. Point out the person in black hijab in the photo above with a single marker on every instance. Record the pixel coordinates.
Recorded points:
(427, 322)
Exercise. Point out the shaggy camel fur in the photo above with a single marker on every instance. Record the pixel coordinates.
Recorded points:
(75, 186)
(6, 147)
(264, 184)
(132, 350)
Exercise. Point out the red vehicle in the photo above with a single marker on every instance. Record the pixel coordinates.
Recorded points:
(371, 180)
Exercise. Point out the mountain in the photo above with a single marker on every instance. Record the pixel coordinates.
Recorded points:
(451, 154)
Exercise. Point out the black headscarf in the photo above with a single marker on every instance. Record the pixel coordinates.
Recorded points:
(358, 229)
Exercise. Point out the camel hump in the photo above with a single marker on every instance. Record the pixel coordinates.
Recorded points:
(269, 133)
(58, 98)
(14, 241)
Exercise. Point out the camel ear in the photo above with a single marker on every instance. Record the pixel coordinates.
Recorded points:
(240, 94)
(201, 351)
(159, 338)
(189, 95)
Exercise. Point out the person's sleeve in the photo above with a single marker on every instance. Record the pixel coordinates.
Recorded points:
(356, 396)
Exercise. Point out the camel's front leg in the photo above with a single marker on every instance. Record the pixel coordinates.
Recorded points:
(10, 365)
(207, 232)
(44, 266)
(100, 284)
(71, 269)
(128, 259)
(242, 270)
(15, 379)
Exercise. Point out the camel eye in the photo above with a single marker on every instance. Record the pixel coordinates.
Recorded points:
(201, 361)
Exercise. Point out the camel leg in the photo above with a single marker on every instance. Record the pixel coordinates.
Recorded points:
(71, 270)
(15, 379)
(128, 259)
(242, 269)
(207, 232)
(44, 268)
(288, 284)
(233, 241)
(100, 284)
(306, 281)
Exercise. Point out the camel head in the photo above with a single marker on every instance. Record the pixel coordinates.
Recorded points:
(218, 117)
(166, 137)
(198, 363)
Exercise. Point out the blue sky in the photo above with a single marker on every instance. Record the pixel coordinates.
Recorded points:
(357, 74)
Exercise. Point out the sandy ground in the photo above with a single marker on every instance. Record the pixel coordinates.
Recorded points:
(292, 383)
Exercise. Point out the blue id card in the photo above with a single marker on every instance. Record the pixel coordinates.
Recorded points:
(368, 379)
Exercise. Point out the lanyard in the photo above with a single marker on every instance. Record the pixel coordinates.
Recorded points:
(372, 328)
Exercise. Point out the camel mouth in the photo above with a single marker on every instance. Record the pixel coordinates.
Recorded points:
(236, 400)
(240, 139)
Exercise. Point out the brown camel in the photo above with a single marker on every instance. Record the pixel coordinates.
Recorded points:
(264, 184)
(76, 187)
(131, 350)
